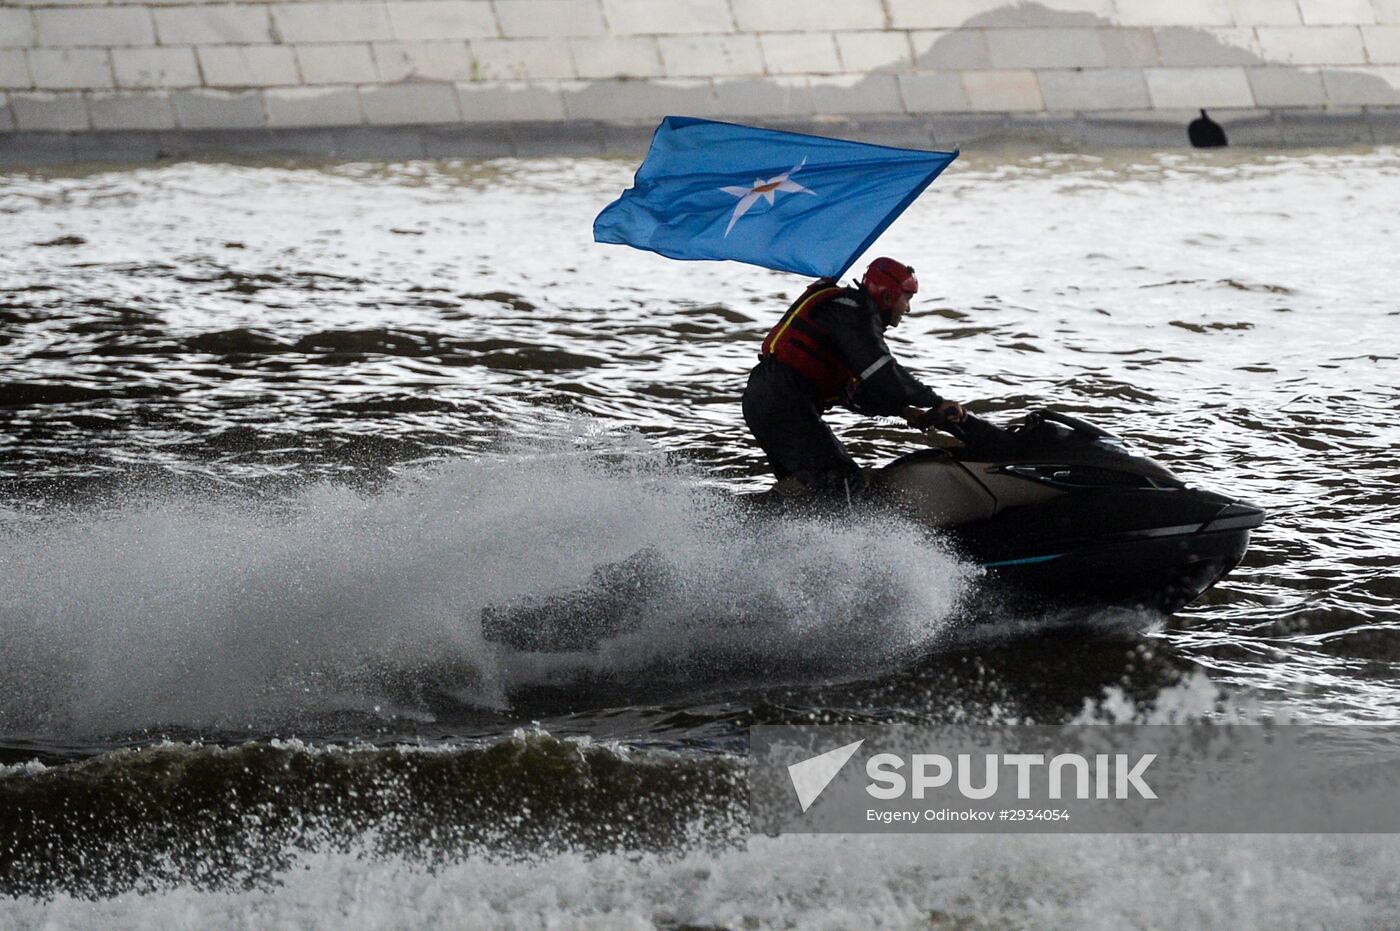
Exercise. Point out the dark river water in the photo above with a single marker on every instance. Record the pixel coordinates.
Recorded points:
(273, 436)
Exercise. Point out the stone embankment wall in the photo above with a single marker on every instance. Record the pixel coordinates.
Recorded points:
(502, 71)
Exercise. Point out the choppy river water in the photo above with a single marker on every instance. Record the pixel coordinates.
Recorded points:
(272, 436)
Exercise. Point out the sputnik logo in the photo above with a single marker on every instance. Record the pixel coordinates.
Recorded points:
(748, 196)
(811, 777)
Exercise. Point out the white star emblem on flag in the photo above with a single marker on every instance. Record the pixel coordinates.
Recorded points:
(767, 190)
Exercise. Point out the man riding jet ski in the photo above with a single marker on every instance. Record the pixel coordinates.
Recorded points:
(829, 348)
(1065, 522)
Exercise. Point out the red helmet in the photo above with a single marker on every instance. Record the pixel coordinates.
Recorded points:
(886, 279)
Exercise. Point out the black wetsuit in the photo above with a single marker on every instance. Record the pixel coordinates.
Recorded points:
(784, 412)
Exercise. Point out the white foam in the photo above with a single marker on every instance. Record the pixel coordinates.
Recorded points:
(198, 613)
(837, 882)
(27, 768)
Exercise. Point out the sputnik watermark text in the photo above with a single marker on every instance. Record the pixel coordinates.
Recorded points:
(1104, 778)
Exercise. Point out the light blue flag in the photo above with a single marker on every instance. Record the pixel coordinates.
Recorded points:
(796, 203)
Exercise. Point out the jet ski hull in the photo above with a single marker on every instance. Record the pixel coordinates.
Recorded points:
(1063, 518)
(1157, 575)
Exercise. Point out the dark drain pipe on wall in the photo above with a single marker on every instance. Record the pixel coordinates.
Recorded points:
(1205, 133)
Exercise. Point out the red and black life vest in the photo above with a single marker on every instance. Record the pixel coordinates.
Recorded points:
(806, 348)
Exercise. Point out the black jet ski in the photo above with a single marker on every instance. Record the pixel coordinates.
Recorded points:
(1064, 520)
(1062, 514)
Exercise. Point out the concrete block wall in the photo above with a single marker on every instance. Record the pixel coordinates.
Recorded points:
(196, 65)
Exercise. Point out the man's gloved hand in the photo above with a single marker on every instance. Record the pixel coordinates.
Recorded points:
(934, 417)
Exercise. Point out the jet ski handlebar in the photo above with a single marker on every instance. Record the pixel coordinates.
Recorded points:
(975, 432)
(970, 429)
